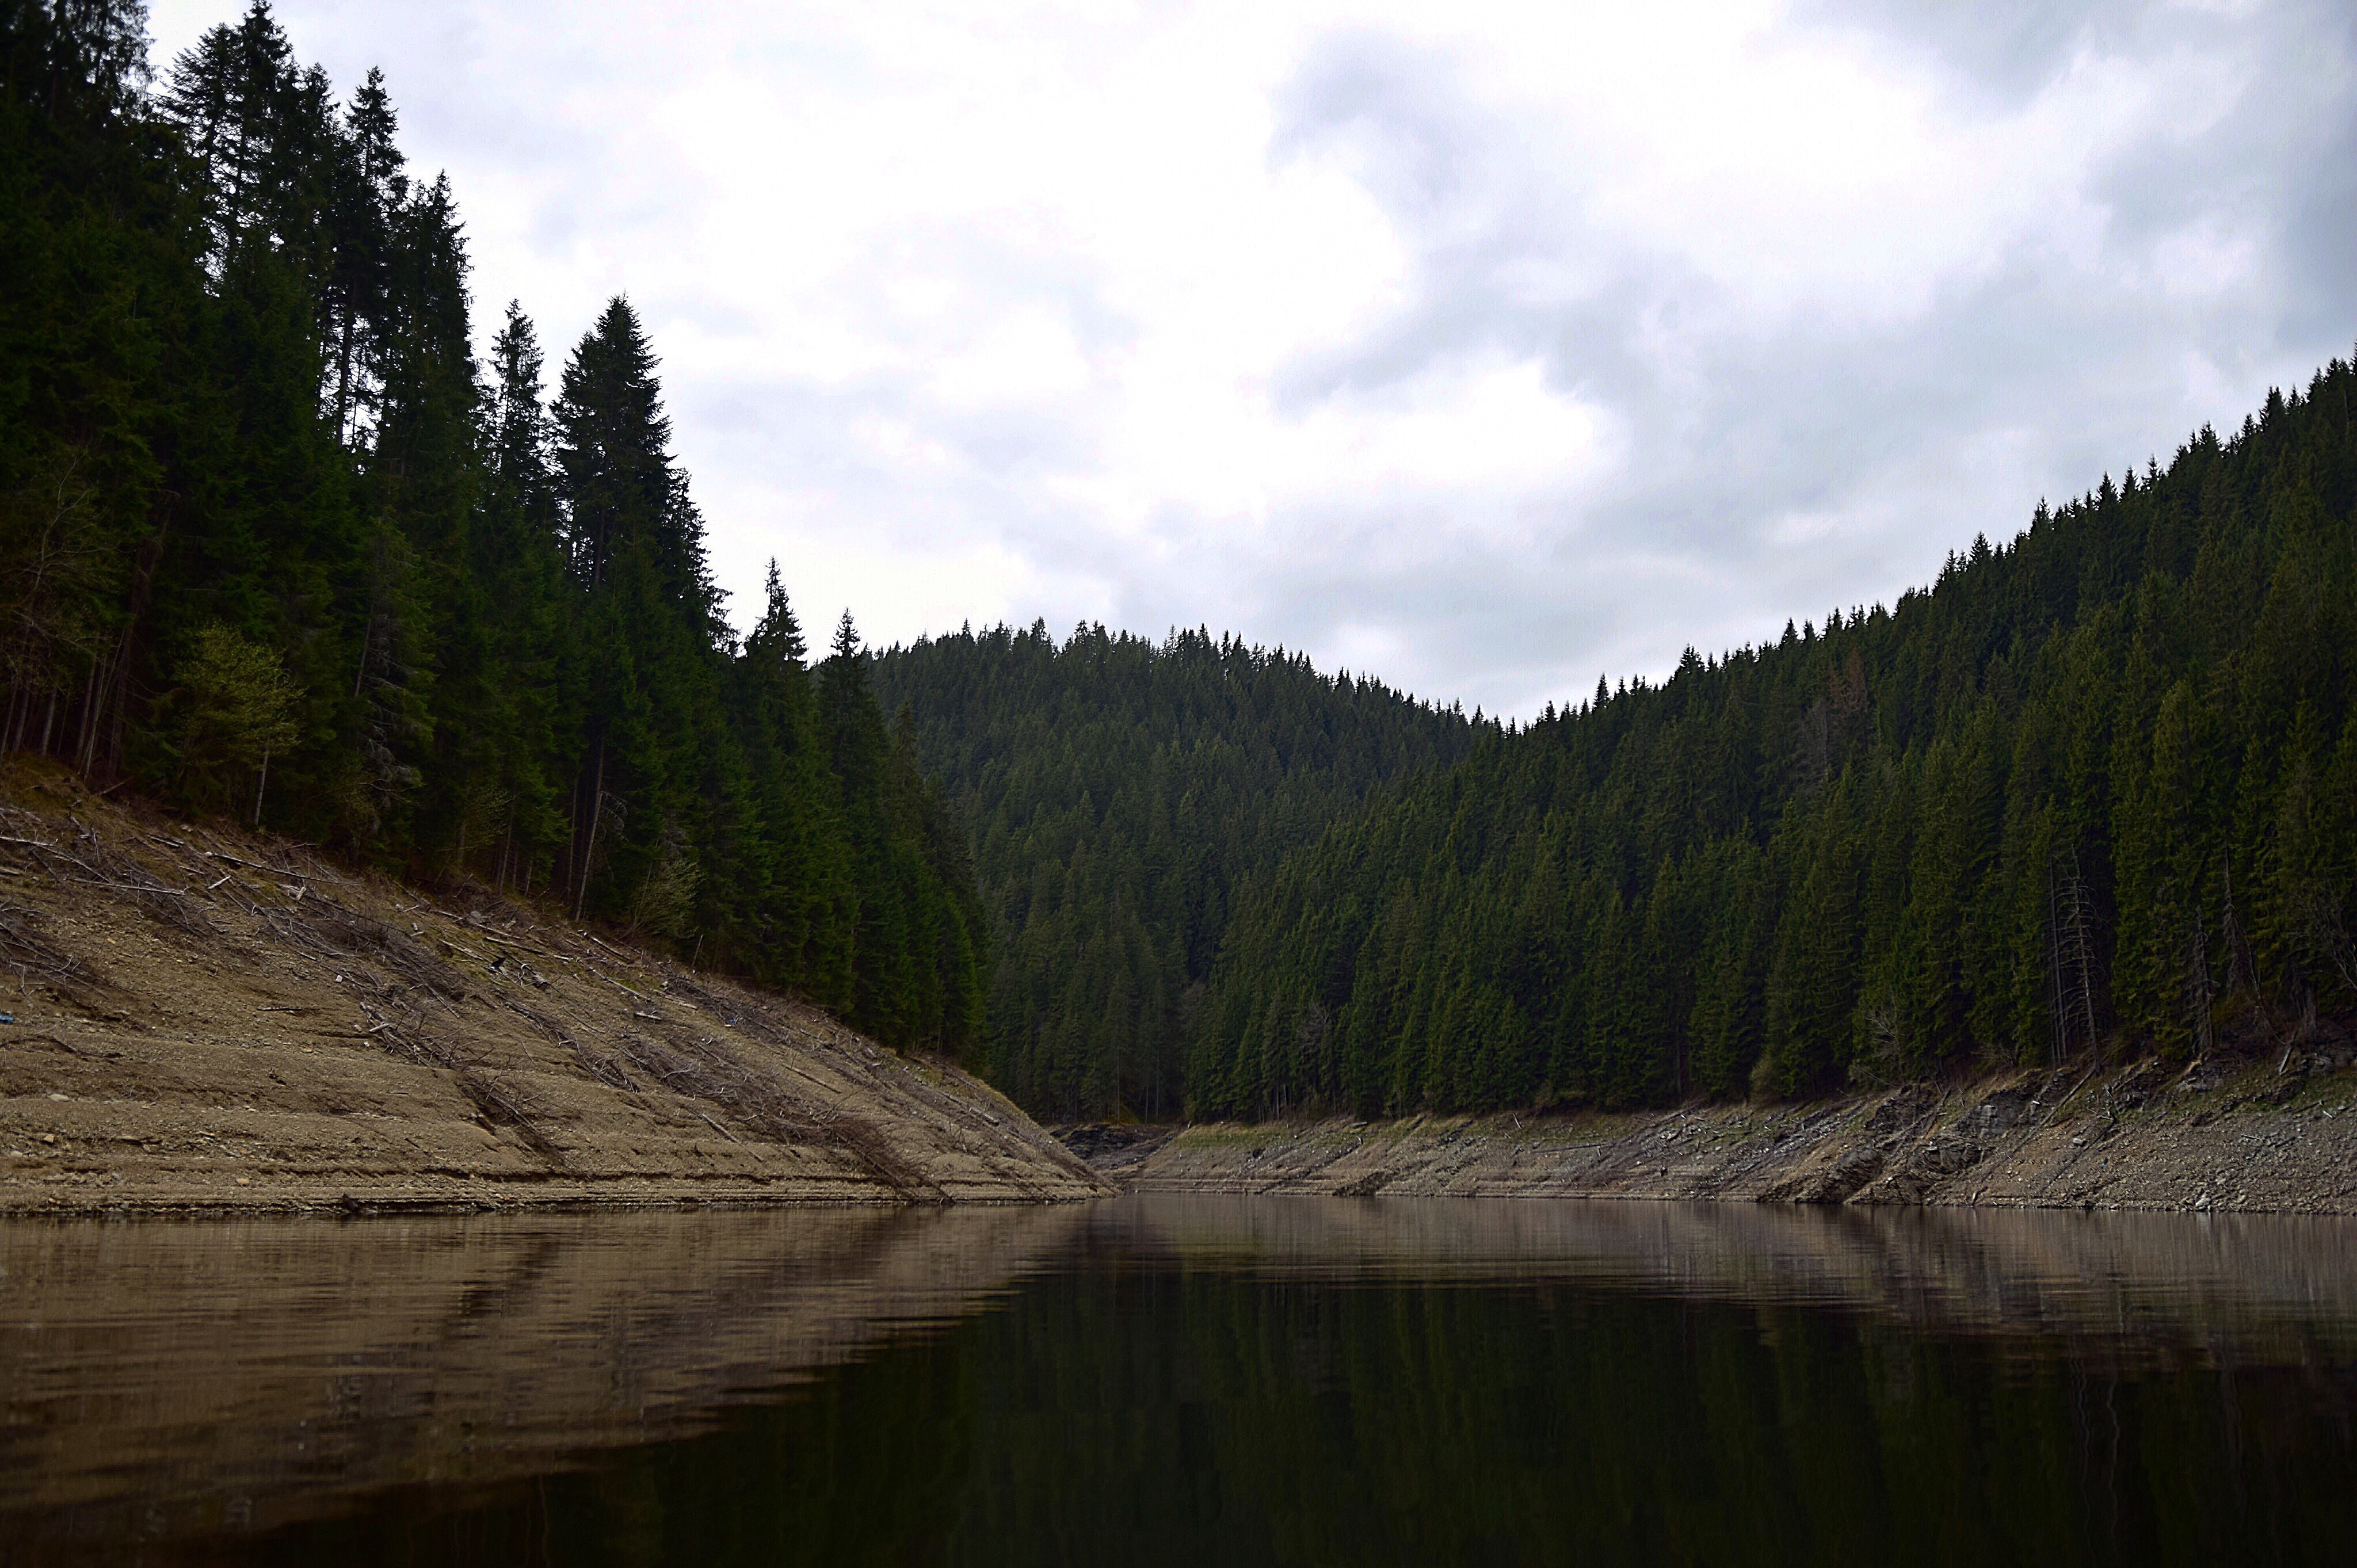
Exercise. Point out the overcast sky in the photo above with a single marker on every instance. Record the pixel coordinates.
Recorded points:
(1486, 348)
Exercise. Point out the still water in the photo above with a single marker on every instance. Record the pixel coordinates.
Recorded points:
(1293, 1381)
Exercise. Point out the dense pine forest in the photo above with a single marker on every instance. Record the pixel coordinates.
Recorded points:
(1123, 795)
(273, 544)
(2095, 792)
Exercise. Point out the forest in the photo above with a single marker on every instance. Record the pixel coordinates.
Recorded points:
(275, 545)
(2095, 792)
(1123, 798)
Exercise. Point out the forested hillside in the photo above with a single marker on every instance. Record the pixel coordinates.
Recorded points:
(1123, 795)
(2094, 790)
(274, 546)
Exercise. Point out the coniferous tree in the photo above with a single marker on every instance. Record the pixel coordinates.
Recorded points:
(635, 544)
(277, 548)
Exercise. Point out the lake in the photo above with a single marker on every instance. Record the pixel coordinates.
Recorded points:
(1198, 1380)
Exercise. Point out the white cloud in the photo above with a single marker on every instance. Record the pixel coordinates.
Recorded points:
(1480, 346)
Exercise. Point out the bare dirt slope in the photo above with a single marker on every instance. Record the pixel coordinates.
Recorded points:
(2261, 1133)
(205, 1019)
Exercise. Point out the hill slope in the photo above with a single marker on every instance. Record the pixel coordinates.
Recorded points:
(206, 1020)
(2095, 792)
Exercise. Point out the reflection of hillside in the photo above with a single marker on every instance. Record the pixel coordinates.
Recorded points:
(2256, 1285)
(180, 1381)
(164, 1377)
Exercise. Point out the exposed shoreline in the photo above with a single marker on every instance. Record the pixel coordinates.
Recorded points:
(207, 1022)
(2275, 1136)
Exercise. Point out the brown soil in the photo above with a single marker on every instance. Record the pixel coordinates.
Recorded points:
(2272, 1133)
(205, 1019)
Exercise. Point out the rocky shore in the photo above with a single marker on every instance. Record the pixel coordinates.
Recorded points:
(2264, 1133)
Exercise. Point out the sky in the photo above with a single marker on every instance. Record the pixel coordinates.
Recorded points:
(1486, 348)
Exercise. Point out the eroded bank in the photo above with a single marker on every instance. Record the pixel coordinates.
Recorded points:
(2270, 1134)
(205, 1020)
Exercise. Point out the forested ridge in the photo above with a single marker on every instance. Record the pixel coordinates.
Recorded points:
(1123, 795)
(2095, 792)
(273, 544)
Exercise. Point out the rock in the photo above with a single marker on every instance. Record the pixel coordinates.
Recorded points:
(1366, 1185)
(1918, 1170)
(1903, 1109)
(1848, 1173)
(1111, 1146)
(1999, 1113)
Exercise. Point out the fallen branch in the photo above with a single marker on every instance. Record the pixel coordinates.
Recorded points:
(618, 952)
(282, 871)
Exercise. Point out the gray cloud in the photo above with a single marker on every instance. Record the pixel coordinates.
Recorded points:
(1909, 436)
(1481, 356)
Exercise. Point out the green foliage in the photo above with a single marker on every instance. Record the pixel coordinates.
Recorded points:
(1122, 796)
(2093, 791)
(234, 706)
(261, 510)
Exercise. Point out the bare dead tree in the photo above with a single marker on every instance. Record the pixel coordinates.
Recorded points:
(2197, 984)
(2070, 924)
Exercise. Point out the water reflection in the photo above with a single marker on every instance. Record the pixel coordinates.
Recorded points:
(2254, 1286)
(1185, 1379)
(166, 1380)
